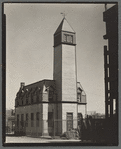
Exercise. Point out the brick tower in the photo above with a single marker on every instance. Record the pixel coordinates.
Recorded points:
(65, 75)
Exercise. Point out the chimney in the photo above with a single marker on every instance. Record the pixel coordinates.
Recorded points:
(22, 85)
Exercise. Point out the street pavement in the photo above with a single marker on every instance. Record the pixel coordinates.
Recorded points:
(25, 139)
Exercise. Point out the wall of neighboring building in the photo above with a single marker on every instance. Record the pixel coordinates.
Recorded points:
(10, 120)
(110, 16)
(30, 131)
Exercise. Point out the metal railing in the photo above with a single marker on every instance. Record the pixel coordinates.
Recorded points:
(81, 129)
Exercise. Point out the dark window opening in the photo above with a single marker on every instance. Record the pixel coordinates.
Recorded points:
(21, 102)
(26, 100)
(17, 120)
(32, 99)
(37, 119)
(22, 120)
(32, 119)
(27, 120)
(37, 99)
(50, 119)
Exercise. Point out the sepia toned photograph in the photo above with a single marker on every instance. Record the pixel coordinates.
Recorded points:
(60, 74)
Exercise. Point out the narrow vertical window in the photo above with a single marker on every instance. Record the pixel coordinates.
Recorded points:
(107, 59)
(108, 85)
(27, 100)
(108, 96)
(27, 120)
(17, 103)
(22, 120)
(114, 106)
(108, 110)
(108, 72)
(37, 119)
(32, 119)
(37, 98)
(65, 38)
(50, 119)
(17, 120)
(21, 102)
(32, 98)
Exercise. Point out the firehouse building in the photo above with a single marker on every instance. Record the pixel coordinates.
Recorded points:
(52, 107)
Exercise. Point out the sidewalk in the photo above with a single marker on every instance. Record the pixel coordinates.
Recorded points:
(25, 139)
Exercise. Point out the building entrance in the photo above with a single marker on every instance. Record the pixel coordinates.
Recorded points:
(69, 121)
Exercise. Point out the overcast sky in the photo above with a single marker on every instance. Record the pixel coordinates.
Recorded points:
(29, 47)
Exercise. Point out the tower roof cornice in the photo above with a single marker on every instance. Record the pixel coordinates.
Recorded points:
(64, 26)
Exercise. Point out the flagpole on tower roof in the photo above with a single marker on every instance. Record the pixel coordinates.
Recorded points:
(105, 6)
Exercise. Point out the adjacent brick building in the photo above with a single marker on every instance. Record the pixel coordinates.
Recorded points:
(110, 17)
